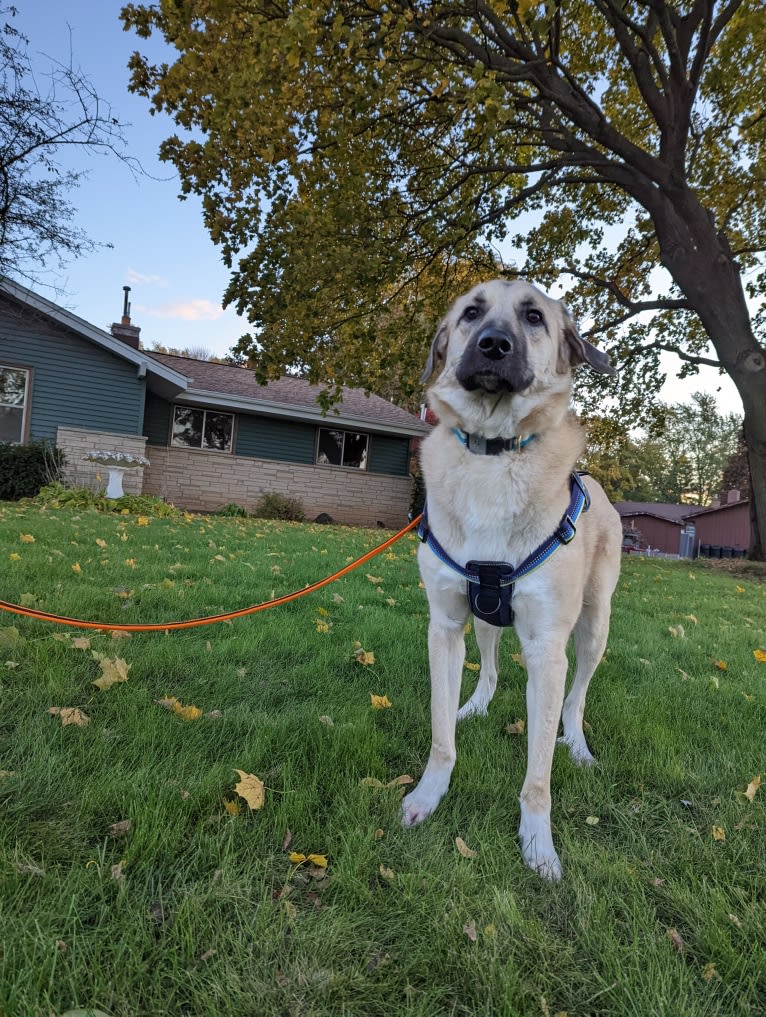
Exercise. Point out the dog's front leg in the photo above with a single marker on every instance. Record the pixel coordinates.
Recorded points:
(546, 678)
(446, 653)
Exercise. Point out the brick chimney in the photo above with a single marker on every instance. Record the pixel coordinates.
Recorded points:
(733, 496)
(123, 330)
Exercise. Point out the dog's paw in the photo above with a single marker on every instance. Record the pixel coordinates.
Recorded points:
(420, 803)
(578, 750)
(473, 708)
(537, 849)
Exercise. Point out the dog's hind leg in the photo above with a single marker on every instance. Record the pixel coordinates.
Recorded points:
(488, 638)
(446, 652)
(590, 635)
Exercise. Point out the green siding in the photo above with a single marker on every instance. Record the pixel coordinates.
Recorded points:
(267, 438)
(157, 420)
(389, 455)
(75, 383)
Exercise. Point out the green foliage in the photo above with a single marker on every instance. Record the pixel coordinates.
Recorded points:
(24, 469)
(56, 495)
(280, 506)
(233, 510)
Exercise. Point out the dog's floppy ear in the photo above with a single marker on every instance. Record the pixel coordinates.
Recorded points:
(575, 350)
(436, 354)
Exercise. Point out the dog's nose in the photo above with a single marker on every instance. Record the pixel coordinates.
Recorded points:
(494, 344)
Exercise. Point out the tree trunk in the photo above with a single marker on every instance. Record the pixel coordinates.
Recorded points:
(701, 262)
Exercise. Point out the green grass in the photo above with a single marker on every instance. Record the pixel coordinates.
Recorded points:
(210, 917)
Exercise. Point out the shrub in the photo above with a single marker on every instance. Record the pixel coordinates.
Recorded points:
(280, 506)
(418, 495)
(232, 509)
(24, 469)
(57, 496)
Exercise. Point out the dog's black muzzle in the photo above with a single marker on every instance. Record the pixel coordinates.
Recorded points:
(494, 361)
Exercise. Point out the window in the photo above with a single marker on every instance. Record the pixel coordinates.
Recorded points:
(342, 448)
(14, 399)
(206, 429)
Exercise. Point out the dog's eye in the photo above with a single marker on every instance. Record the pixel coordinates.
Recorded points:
(471, 313)
(534, 317)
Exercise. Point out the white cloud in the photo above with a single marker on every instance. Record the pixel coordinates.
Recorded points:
(141, 279)
(186, 310)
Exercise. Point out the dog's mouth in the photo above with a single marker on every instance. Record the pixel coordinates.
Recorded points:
(494, 362)
(492, 382)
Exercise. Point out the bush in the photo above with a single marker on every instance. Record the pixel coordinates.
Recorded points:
(232, 509)
(58, 496)
(418, 495)
(279, 506)
(24, 469)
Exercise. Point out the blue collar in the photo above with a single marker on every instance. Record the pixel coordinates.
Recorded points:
(491, 446)
(564, 533)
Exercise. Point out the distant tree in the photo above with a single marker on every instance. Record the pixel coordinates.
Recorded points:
(44, 112)
(193, 353)
(706, 437)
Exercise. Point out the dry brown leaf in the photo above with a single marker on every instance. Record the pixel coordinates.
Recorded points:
(401, 781)
(81, 643)
(470, 930)
(516, 728)
(719, 833)
(676, 940)
(70, 715)
(121, 829)
(117, 874)
(752, 787)
(463, 848)
(112, 673)
(251, 789)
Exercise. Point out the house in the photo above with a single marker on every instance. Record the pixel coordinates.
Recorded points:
(655, 526)
(721, 529)
(211, 433)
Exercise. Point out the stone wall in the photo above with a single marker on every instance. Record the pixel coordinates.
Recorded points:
(76, 442)
(205, 481)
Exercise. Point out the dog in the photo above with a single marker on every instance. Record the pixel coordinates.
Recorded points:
(498, 470)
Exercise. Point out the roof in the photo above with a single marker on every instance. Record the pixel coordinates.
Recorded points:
(722, 508)
(668, 513)
(230, 387)
(165, 377)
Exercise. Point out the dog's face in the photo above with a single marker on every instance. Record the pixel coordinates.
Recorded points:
(506, 339)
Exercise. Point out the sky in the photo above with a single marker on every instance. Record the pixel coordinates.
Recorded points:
(160, 247)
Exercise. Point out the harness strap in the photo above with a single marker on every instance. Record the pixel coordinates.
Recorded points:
(563, 534)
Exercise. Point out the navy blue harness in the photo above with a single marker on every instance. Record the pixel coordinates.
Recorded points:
(490, 583)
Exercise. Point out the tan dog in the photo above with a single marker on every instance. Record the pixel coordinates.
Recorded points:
(497, 470)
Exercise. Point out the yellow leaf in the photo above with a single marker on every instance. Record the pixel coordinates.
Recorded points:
(379, 702)
(101, 543)
(760, 656)
(472, 667)
(677, 631)
(740, 589)
(592, 820)
(142, 521)
(371, 782)
(296, 858)
(463, 848)
(232, 807)
(70, 715)
(76, 568)
(379, 834)
(721, 665)
(752, 787)
(322, 626)
(719, 833)
(130, 562)
(26, 538)
(186, 712)
(362, 656)
(518, 659)
(375, 580)
(320, 860)
(516, 728)
(13, 556)
(112, 672)
(709, 972)
(691, 618)
(401, 781)
(251, 789)
(388, 874)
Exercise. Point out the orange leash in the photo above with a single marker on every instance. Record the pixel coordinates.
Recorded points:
(30, 612)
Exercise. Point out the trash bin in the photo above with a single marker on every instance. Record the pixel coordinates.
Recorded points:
(705, 550)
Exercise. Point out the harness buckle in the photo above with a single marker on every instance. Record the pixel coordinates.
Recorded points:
(566, 530)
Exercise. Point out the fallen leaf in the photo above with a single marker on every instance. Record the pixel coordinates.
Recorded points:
(388, 874)
(379, 834)
(288, 840)
(121, 829)
(117, 874)
(686, 677)
(232, 807)
(142, 521)
(101, 543)
(371, 782)
(719, 833)
(592, 820)
(112, 673)
(26, 538)
(379, 702)
(519, 659)
(463, 848)
(691, 618)
(401, 781)
(10, 636)
(362, 656)
(70, 715)
(322, 626)
(740, 589)
(76, 568)
(677, 631)
(676, 939)
(714, 682)
(709, 972)
(752, 787)
(735, 920)
(472, 667)
(516, 728)
(760, 656)
(81, 643)
(328, 721)
(337, 599)
(470, 930)
(375, 580)
(721, 665)
(251, 789)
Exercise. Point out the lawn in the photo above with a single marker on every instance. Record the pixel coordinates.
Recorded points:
(136, 880)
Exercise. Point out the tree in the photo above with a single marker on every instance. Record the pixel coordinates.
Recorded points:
(341, 146)
(706, 438)
(36, 127)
